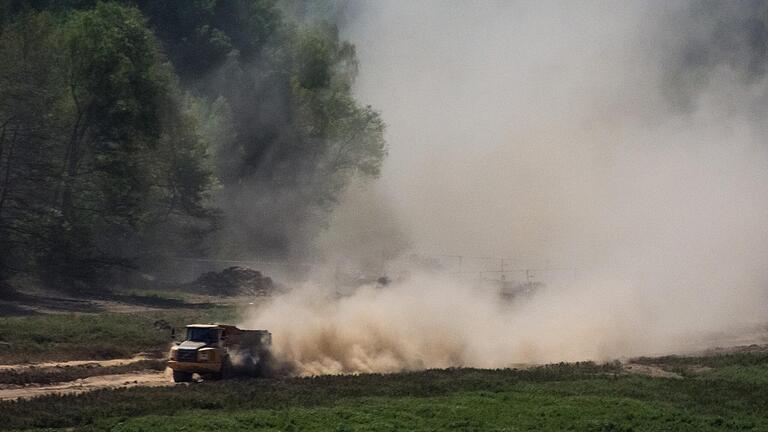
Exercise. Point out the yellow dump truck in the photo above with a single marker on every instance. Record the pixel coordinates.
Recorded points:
(217, 350)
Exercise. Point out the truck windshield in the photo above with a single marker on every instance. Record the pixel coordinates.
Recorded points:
(207, 335)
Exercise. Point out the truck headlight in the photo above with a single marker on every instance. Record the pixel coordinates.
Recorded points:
(202, 355)
(174, 353)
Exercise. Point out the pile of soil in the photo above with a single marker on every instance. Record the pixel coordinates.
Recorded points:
(233, 281)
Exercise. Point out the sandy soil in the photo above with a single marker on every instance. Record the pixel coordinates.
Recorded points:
(149, 378)
(145, 379)
(103, 363)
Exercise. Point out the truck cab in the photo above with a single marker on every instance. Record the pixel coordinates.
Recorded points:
(216, 350)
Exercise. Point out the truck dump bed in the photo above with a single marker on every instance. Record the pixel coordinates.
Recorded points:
(245, 339)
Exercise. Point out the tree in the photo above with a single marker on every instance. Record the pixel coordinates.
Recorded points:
(133, 160)
(117, 117)
(31, 90)
(303, 137)
(97, 148)
(201, 34)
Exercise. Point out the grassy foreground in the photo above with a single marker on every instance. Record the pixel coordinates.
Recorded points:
(730, 395)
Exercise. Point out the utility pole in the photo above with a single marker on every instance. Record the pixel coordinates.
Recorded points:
(529, 279)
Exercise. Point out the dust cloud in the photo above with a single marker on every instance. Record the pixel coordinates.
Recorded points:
(625, 140)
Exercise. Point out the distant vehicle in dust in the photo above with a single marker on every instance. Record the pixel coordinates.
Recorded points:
(219, 351)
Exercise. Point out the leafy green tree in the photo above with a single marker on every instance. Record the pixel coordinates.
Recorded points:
(99, 153)
(200, 34)
(133, 159)
(31, 90)
(113, 87)
(116, 118)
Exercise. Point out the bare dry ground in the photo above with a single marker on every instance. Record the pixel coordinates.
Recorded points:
(132, 379)
(21, 367)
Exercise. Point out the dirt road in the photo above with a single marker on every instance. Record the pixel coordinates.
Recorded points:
(147, 378)
(74, 363)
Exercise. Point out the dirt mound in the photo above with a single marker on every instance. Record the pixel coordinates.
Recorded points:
(233, 281)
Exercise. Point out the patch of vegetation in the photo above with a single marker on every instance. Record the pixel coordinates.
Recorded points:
(693, 365)
(474, 411)
(755, 374)
(70, 373)
(579, 396)
(159, 294)
(96, 336)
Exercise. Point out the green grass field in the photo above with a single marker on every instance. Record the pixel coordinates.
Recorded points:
(95, 336)
(731, 395)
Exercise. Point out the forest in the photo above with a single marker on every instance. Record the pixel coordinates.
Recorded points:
(135, 131)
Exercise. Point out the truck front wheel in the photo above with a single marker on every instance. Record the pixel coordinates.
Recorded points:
(179, 376)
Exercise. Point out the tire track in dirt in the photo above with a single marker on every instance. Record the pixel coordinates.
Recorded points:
(127, 380)
(73, 363)
(148, 378)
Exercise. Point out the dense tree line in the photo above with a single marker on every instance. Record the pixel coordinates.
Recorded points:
(135, 131)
